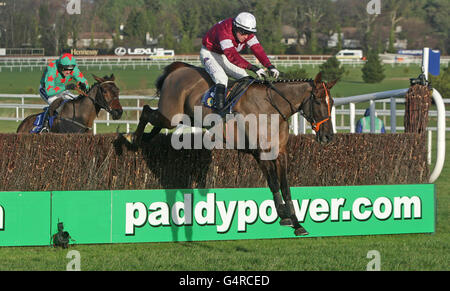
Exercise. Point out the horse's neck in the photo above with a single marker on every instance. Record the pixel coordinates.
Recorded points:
(294, 92)
(87, 110)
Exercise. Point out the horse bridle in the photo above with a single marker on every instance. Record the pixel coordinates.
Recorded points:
(103, 104)
(315, 125)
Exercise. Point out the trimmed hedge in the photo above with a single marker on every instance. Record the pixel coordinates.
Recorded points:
(85, 162)
(417, 105)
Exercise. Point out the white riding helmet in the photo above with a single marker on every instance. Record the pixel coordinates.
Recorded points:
(245, 21)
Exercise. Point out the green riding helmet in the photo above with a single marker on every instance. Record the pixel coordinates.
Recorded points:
(66, 62)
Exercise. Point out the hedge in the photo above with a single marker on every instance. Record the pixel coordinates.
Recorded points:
(86, 162)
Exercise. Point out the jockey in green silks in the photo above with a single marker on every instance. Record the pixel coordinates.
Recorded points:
(55, 81)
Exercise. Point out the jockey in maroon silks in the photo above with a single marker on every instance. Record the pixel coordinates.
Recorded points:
(220, 53)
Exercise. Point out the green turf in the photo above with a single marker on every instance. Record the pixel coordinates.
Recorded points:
(141, 79)
(128, 80)
(398, 252)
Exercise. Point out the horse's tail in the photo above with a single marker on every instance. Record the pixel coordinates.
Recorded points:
(167, 70)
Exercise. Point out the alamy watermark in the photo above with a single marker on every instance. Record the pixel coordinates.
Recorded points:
(374, 7)
(375, 262)
(238, 132)
(75, 261)
(73, 7)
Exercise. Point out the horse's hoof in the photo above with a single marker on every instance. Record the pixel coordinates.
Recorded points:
(286, 222)
(300, 231)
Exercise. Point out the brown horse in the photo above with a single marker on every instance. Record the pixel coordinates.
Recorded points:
(77, 116)
(181, 87)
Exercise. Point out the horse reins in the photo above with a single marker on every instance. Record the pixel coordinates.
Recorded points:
(270, 86)
(315, 125)
(106, 106)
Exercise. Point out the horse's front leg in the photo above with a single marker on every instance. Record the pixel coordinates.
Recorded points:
(268, 168)
(281, 163)
(136, 137)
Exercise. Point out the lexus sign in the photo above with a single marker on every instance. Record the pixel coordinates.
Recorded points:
(121, 51)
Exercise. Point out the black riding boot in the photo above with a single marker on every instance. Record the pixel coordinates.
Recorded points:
(45, 123)
(219, 97)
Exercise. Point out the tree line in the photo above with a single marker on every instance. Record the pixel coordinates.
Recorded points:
(180, 24)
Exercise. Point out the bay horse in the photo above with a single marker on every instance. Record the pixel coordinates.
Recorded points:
(77, 116)
(181, 87)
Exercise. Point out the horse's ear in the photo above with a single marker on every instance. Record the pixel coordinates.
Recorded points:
(331, 84)
(318, 78)
(98, 79)
(112, 78)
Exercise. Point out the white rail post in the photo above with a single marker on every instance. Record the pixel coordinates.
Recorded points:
(352, 117)
(430, 143)
(440, 152)
(23, 109)
(425, 61)
(333, 118)
(294, 120)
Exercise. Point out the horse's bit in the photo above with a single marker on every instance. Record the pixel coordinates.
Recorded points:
(316, 125)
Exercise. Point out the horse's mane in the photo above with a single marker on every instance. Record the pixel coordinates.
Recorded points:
(82, 96)
(106, 78)
(167, 70)
(266, 82)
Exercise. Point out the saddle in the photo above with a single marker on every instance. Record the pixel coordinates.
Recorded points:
(52, 111)
(235, 90)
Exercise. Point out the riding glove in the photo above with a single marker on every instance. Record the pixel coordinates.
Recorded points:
(82, 86)
(258, 71)
(70, 86)
(273, 71)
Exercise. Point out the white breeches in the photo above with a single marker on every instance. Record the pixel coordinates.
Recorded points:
(219, 67)
(66, 95)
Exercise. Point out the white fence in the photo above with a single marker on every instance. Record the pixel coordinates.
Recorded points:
(340, 110)
(20, 108)
(111, 62)
(11, 64)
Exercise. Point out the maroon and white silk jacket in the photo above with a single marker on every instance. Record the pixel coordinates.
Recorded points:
(220, 39)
